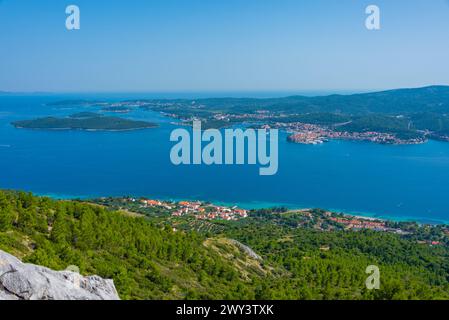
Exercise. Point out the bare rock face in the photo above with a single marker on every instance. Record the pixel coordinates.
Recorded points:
(247, 250)
(21, 281)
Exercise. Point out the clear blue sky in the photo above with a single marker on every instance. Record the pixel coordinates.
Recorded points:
(222, 45)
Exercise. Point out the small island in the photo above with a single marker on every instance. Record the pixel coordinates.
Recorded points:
(84, 121)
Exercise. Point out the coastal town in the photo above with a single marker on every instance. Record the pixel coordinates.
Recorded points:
(324, 220)
(305, 131)
(194, 209)
(327, 221)
(318, 219)
(308, 133)
(209, 212)
(314, 134)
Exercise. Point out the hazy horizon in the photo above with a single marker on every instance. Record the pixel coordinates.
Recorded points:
(211, 93)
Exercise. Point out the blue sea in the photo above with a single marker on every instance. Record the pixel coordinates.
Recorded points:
(395, 182)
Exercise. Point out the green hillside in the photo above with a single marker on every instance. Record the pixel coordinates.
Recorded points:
(149, 259)
(427, 99)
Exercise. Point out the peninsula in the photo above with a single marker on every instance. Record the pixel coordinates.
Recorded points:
(401, 116)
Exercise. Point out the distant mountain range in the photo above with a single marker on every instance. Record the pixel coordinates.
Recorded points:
(426, 99)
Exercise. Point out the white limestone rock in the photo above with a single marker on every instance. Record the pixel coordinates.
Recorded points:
(21, 281)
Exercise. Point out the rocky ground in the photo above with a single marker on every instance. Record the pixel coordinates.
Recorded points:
(20, 281)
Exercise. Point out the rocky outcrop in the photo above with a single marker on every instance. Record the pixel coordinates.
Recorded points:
(247, 250)
(21, 281)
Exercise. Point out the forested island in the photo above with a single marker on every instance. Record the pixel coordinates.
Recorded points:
(270, 254)
(84, 121)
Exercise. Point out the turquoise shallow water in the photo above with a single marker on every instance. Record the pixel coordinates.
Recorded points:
(395, 182)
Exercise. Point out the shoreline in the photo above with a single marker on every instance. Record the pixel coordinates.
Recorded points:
(267, 205)
(85, 129)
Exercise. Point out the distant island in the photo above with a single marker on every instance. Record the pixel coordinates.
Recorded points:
(400, 116)
(84, 121)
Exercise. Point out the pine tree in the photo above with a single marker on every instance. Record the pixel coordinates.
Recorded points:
(7, 218)
(60, 229)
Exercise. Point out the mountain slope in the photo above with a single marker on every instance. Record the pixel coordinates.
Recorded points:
(399, 101)
(270, 258)
(144, 260)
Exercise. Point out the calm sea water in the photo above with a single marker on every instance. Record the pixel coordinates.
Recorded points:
(398, 182)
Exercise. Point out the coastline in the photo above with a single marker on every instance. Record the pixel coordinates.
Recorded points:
(85, 129)
(255, 205)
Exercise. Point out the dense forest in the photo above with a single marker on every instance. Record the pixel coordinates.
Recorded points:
(433, 99)
(83, 121)
(148, 258)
